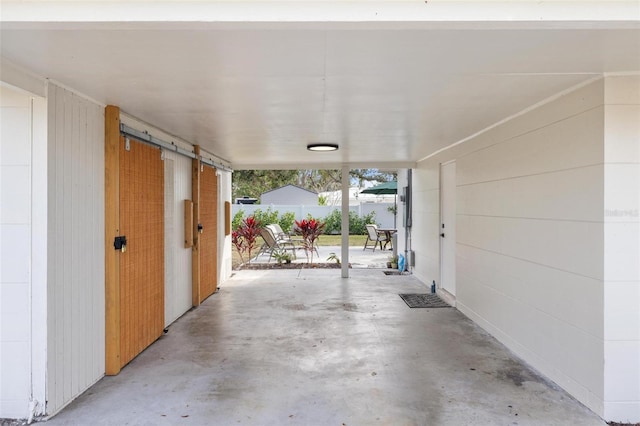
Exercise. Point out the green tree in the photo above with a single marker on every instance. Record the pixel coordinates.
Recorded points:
(320, 180)
(253, 183)
(359, 176)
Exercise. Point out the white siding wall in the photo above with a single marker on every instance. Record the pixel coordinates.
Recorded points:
(22, 253)
(529, 236)
(177, 187)
(76, 306)
(383, 217)
(622, 249)
(224, 242)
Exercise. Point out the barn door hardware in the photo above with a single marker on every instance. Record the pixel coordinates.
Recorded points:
(144, 136)
(120, 243)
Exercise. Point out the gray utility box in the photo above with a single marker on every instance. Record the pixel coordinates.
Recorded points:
(411, 258)
(394, 243)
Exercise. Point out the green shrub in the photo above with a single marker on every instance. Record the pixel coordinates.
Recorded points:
(357, 224)
(266, 218)
(286, 221)
(237, 220)
(333, 222)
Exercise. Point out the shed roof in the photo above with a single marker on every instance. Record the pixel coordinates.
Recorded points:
(295, 186)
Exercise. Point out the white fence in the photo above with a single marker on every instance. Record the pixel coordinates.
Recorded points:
(383, 217)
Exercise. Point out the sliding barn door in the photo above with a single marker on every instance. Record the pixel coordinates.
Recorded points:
(141, 215)
(209, 236)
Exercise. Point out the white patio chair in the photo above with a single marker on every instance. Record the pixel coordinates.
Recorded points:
(376, 236)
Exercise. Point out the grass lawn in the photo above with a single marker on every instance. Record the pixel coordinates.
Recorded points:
(324, 240)
(336, 240)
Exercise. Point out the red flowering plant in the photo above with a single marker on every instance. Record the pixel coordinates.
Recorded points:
(238, 241)
(244, 238)
(310, 229)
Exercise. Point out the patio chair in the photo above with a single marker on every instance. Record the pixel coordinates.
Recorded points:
(378, 237)
(279, 233)
(272, 244)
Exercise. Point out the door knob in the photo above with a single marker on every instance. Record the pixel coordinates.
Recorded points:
(442, 235)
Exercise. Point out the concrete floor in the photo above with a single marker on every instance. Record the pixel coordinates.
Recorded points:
(275, 348)
(358, 258)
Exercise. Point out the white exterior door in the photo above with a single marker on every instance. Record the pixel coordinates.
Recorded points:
(448, 227)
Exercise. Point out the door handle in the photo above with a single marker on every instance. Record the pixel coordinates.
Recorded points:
(120, 243)
(442, 235)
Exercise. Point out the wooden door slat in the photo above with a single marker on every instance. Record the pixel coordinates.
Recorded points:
(142, 265)
(209, 236)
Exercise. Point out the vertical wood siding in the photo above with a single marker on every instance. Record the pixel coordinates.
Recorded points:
(142, 265)
(75, 302)
(177, 188)
(209, 237)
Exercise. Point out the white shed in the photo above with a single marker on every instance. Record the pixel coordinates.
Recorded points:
(290, 194)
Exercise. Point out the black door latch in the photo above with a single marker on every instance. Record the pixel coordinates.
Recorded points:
(120, 243)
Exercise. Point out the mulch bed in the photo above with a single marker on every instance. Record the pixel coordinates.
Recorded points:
(275, 265)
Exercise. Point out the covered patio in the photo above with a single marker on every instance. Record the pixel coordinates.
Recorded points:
(274, 348)
(513, 126)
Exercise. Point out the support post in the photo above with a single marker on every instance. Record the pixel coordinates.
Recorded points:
(195, 249)
(111, 229)
(345, 221)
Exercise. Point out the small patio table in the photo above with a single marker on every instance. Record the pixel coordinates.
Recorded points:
(388, 232)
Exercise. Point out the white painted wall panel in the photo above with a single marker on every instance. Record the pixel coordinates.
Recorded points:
(622, 248)
(15, 252)
(536, 287)
(622, 380)
(177, 257)
(570, 246)
(570, 142)
(567, 105)
(15, 207)
(573, 194)
(76, 249)
(622, 124)
(224, 242)
(16, 127)
(530, 236)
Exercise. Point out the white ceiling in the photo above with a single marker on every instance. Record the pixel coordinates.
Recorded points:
(256, 95)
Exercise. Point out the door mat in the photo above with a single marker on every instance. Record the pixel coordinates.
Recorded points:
(428, 300)
(392, 272)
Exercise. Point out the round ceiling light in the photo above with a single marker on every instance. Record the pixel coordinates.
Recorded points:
(322, 147)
